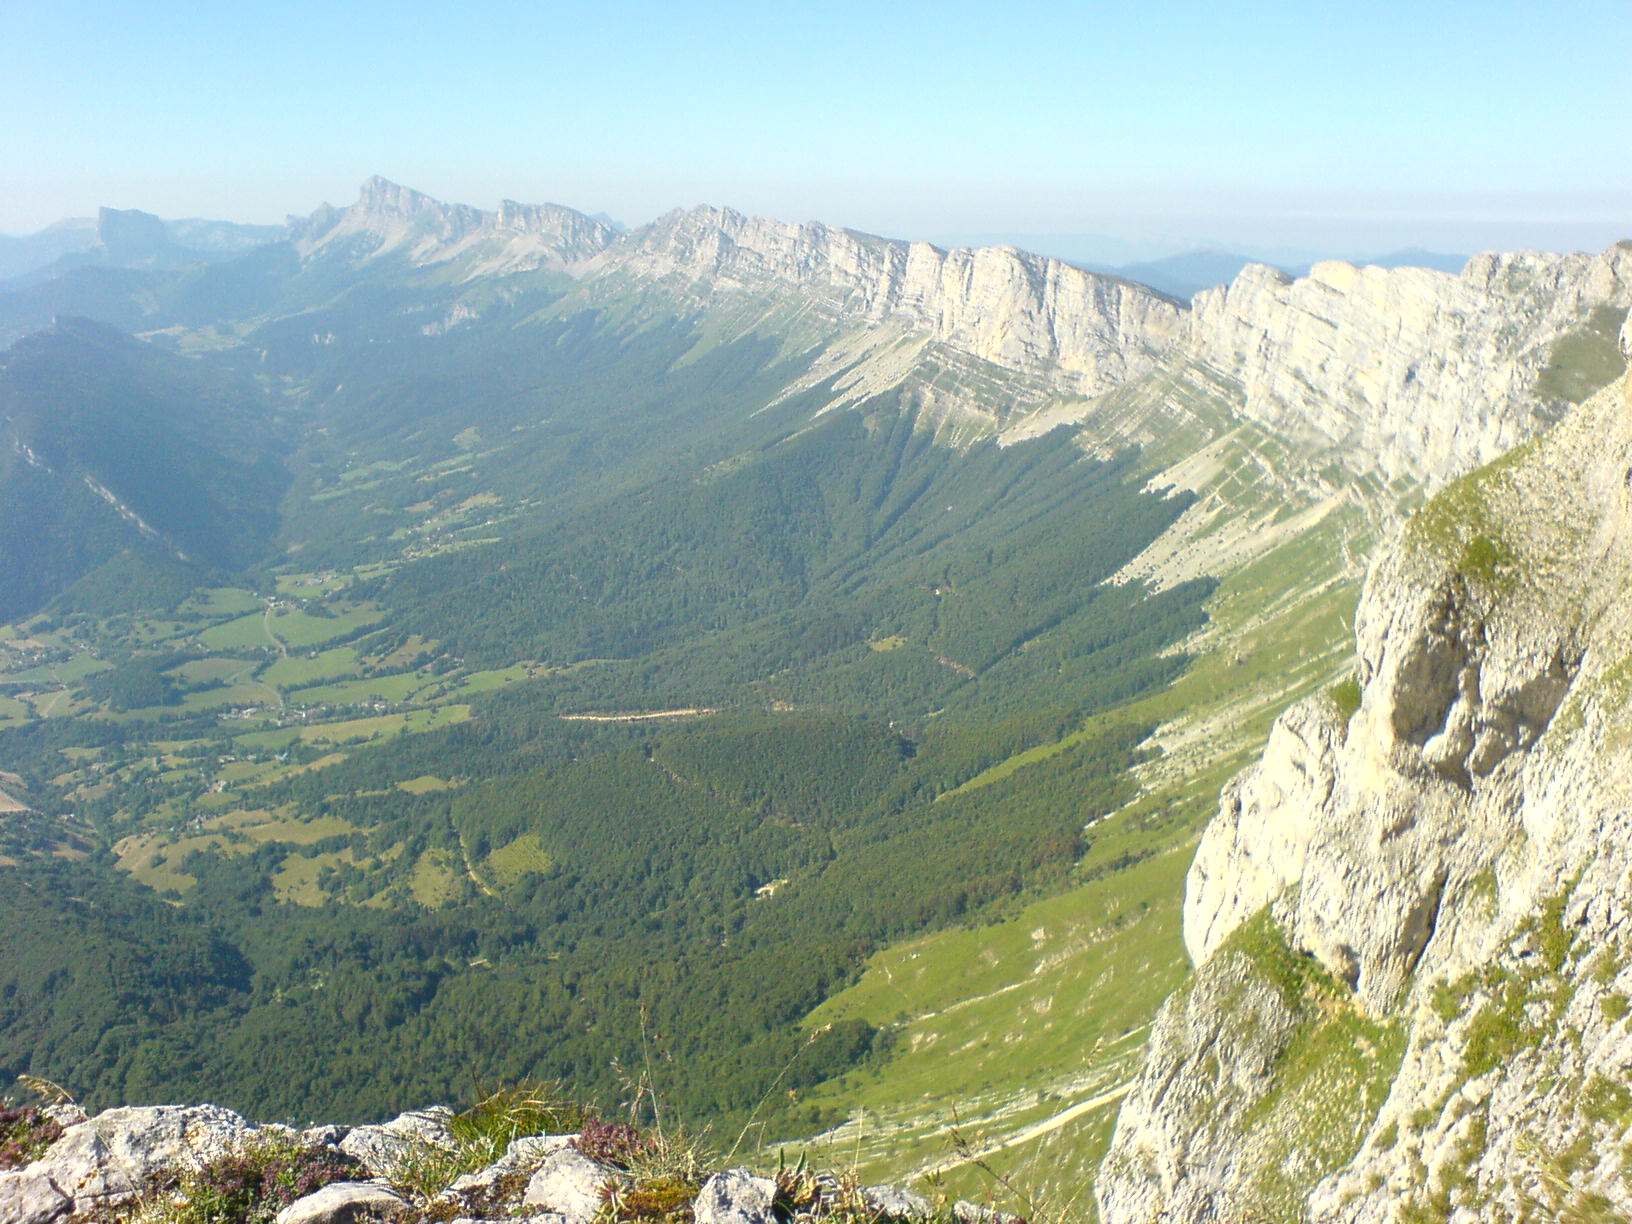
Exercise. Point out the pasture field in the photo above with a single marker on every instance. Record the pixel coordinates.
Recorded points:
(297, 670)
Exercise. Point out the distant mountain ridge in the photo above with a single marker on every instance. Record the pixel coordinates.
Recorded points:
(390, 219)
(110, 446)
(127, 237)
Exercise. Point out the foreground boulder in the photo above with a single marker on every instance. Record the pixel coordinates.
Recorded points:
(116, 1155)
(382, 1149)
(31, 1198)
(571, 1185)
(344, 1203)
(736, 1197)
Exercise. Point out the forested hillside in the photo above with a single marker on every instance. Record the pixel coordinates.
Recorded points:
(581, 691)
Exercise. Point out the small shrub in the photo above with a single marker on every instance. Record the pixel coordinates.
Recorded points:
(1604, 1100)
(25, 1133)
(657, 1200)
(250, 1185)
(1345, 697)
(611, 1143)
(1446, 1001)
(1615, 1007)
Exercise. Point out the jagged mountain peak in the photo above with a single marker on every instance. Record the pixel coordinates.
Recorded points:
(380, 194)
(390, 219)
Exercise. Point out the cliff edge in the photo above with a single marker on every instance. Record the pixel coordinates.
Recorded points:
(1412, 920)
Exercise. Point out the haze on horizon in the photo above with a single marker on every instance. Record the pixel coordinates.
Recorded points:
(1271, 126)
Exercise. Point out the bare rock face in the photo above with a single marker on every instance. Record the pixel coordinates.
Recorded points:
(343, 1203)
(571, 1185)
(1412, 920)
(31, 1198)
(380, 1149)
(998, 304)
(129, 233)
(1432, 373)
(116, 1154)
(736, 1196)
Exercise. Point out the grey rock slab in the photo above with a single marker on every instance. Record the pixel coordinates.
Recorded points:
(736, 1196)
(381, 1149)
(524, 1155)
(118, 1153)
(966, 1212)
(27, 1197)
(571, 1185)
(895, 1201)
(486, 1190)
(323, 1136)
(63, 1114)
(343, 1203)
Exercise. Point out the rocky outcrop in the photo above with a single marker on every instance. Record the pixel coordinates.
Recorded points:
(344, 1203)
(130, 1164)
(736, 1196)
(129, 235)
(1427, 373)
(382, 1149)
(113, 1156)
(1412, 920)
(571, 1185)
(391, 220)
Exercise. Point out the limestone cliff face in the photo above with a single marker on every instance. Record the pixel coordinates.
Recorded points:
(1412, 921)
(1433, 374)
(1401, 373)
(388, 219)
(1018, 311)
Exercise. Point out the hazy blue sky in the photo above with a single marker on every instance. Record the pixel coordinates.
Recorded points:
(1277, 122)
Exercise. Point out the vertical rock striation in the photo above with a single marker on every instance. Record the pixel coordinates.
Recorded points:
(1430, 374)
(1412, 921)
(1016, 310)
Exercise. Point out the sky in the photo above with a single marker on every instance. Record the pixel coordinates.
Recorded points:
(1163, 124)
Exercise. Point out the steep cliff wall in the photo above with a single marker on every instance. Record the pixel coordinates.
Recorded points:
(1429, 373)
(1019, 311)
(1410, 374)
(1413, 919)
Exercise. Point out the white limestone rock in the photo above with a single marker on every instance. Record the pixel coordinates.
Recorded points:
(896, 1201)
(27, 1197)
(1016, 310)
(493, 1190)
(571, 1185)
(382, 1149)
(118, 1153)
(1451, 876)
(391, 220)
(736, 1196)
(1427, 373)
(344, 1203)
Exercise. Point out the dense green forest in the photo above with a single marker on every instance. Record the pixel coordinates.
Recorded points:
(417, 708)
